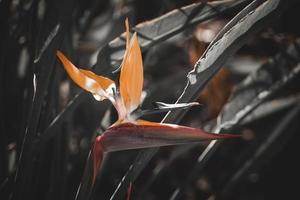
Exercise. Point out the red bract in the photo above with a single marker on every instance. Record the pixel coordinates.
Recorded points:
(127, 132)
(145, 135)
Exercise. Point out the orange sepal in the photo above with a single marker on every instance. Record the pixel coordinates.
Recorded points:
(87, 80)
(131, 77)
(104, 82)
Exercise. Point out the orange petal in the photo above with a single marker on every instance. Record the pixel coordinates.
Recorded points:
(131, 77)
(85, 79)
(104, 82)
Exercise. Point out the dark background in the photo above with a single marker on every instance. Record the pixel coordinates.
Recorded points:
(39, 164)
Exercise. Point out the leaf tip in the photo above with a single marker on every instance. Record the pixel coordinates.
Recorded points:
(127, 31)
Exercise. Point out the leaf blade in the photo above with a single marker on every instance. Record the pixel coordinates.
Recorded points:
(92, 167)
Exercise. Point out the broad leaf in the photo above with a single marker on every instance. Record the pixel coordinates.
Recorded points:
(162, 28)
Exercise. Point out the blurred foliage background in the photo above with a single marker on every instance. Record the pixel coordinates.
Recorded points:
(48, 123)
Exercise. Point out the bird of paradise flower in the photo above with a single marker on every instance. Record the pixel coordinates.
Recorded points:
(127, 132)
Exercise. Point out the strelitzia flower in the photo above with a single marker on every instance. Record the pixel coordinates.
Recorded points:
(128, 132)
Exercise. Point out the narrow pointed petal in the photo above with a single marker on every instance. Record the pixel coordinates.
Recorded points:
(163, 107)
(92, 167)
(131, 77)
(146, 134)
(167, 106)
(85, 79)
